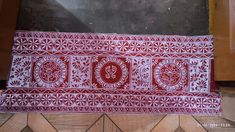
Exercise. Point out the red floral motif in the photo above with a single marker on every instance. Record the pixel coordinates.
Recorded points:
(46, 99)
(213, 103)
(60, 44)
(117, 100)
(110, 72)
(93, 100)
(96, 44)
(57, 99)
(34, 100)
(106, 100)
(140, 101)
(20, 44)
(85, 44)
(123, 46)
(191, 48)
(201, 103)
(50, 72)
(203, 47)
(69, 99)
(169, 47)
(180, 48)
(26, 65)
(109, 45)
(165, 101)
(33, 44)
(129, 101)
(14, 83)
(81, 100)
(17, 61)
(153, 101)
(202, 84)
(73, 44)
(147, 47)
(10, 100)
(80, 74)
(170, 75)
(22, 100)
(20, 71)
(199, 75)
(189, 102)
(177, 102)
(141, 73)
(134, 46)
(46, 44)
(158, 47)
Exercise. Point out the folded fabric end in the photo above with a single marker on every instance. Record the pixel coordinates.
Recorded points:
(108, 101)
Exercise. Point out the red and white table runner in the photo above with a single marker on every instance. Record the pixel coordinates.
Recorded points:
(94, 72)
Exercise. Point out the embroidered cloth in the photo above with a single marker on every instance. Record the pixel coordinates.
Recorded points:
(114, 73)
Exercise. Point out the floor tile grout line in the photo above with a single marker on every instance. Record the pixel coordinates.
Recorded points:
(113, 122)
(48, 121)
(157, 123)
(95, 122)
(199, 123)
(7, 120)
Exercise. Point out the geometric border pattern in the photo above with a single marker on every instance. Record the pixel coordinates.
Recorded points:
(109, 101)
(79, 50)
(52, 43)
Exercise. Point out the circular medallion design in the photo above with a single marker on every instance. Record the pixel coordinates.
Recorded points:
(50, 72)
(170, 74)
(111, 72)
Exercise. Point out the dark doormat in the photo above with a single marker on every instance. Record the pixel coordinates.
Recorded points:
(181, 17)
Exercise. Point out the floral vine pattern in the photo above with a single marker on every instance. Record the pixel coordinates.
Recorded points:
(20, 72)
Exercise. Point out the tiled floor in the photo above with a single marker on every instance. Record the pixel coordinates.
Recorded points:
(112, 123)
(92, 122)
